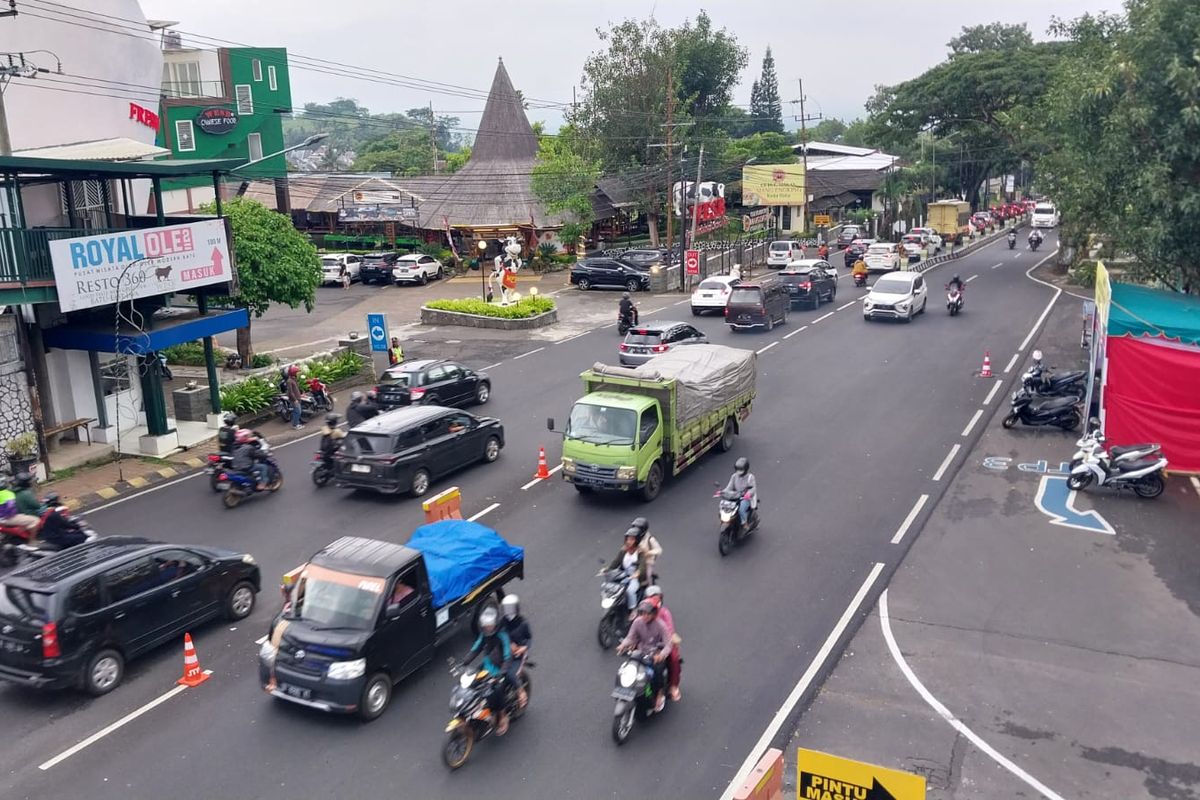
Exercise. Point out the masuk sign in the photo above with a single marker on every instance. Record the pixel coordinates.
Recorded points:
(216, 120)
(92, 271)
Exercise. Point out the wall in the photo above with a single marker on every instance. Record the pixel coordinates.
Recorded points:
(15, 417)
(72, 395)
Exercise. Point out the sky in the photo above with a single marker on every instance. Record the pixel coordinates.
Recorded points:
(545, 42)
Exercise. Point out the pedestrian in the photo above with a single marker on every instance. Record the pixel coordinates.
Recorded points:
(395, 352)
(344, 274)
(293, 393)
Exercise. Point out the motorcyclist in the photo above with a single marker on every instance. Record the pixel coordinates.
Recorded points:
(27, 499)
(520, 638)
(627, 310)
(9, 515)
(362, 407)
(859, 268)
(630, 561)
(1035, 236)
(58, 529)
(649, 634)
(1012, 237)
(331, 437)
(742, 481)
(675, 659)
(247, 458)
(493, 643)
(648, 546)
(227, 433)
(956, 283)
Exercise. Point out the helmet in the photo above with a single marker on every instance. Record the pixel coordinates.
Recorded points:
(51, 499)
(511, 606)
(230, 419)
(356, 397)
(955, 279)
(647, 607)
(243, 436)
(653, 591)
(742, 465)
(488, 619)
(641, 523)
(332, 420)
(23, 480)
(293, 370)
(632, 533)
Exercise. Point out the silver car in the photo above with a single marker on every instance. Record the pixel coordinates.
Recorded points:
(649, 339)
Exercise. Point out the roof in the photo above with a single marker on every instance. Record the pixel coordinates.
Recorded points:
(398, 419)
(875, 161)
(833, 149)
(80, 169)
(656, 324)
(119, 149)
(804, 263)
(79, 559)
(504, 132)
(413, 366)
(829, 182)
(1154, 313)
(362, 556)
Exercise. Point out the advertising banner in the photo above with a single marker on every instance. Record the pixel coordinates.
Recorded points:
(89, 270)
(773, 185)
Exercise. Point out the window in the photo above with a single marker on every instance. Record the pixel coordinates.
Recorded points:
(185, 137)
(182, 79)
(271, 81)
(114, 375)
(245, 99)
(436, 428)
(131, 579)
(460, 422)
(254, 142)
(256, 68)
(175, 564)
(83, 203)
(435, 375)
(453, 372)
(84, 597)
(647, 425)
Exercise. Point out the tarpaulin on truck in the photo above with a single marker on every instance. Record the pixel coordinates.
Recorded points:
(460, 555)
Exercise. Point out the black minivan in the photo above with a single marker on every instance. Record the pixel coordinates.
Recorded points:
(762, 304)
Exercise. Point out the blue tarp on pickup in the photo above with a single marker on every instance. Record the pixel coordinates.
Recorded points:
(460, 555)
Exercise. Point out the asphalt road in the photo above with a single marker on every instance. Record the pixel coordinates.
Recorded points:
(852, 421)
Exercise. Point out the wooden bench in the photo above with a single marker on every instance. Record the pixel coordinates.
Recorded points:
(72, 425)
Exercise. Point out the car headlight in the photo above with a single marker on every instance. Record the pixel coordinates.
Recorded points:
(626, 473)
(628, 674)
(902, 305)
(867, 302)
(346, 670)
(248, 559)
(466, 679)
(267, 652)
(568, 466)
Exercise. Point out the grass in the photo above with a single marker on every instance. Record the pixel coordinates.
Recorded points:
(523, 309)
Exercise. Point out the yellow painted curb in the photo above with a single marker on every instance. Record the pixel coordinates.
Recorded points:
(168, 472)
(107, 492)
(72, 503)
(138, 482)
(194, 462)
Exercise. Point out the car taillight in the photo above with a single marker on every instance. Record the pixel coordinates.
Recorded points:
(806, 285)
(50, 648)
(417, 394)
(659, 348)
(726, 310)
(623, 347)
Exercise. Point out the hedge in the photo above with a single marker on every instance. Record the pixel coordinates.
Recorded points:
(258, 392)
(523, 309)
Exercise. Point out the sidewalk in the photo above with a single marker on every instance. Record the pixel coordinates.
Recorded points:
(1015, 657)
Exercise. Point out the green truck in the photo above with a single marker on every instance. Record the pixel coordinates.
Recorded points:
(635, 426)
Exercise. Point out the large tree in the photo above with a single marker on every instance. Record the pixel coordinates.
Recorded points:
(564, 177)
(993, 36)
(407, 152)
(765, 105)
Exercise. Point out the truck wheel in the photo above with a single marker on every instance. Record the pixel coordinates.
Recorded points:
(727, 437)
(653, 484)
(376, 695)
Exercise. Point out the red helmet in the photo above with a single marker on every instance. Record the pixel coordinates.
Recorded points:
(293, 370)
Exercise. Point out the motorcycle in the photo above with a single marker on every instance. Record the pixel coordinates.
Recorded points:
(626, 321)
(321, 469)
(16, 541)
(1092, 446)
(283, 407)
(473, 720)
(1012, 241)
(1037, 380)
(1033, 244)
(615, 622)
(218, 464)
(1058, 412)
(638, 682)
(860, 279)
(954, 301)
(732, 533)
(242, 485)
(1144, 476)
(318, 393)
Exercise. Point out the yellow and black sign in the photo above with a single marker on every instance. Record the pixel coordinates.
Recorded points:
(826, 777)
(822, 220)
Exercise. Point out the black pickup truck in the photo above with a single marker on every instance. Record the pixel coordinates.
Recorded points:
(363, 614)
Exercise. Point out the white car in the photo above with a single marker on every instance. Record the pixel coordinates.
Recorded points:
(331, 267)
(416, 268)
(935, 241)
(1045, 215)
(901, 295)
(712, 294)
(882, 257)
(784, 252)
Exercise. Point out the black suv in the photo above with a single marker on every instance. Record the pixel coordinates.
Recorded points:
(407, 449)
(609, 272)
(433, 383)
(75, 618)
(377, 267)
(809, 282)
(643, 259)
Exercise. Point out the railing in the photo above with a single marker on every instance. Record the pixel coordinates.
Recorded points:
(189, 89)
(25, 252)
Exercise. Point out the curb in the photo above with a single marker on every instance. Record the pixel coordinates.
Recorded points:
(135, 483)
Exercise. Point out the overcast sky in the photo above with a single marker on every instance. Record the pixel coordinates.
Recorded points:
(544, 43)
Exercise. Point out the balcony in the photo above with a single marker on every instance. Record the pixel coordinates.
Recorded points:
(186, 90)
(25, 253)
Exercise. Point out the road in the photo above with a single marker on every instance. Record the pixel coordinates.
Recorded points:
(851, 424)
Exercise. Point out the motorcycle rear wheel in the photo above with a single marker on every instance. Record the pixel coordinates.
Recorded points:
(1009, 420)
(606, 633)
(276, 483)
(231, 498)
(1150, 486)
(622, 725)
(458, 746)
(1071, 421)
(321, 476)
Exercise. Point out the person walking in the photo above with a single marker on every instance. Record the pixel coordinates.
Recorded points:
(344, 274)
(293, 392)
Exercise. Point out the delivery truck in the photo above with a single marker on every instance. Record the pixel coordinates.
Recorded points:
(634, 427)
(951, 219)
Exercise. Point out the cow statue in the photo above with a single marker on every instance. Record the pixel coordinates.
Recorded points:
(504, 272)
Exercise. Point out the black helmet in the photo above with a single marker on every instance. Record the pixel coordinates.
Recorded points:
(23, 480)
(647, 607)
(742, 465)
(641, 523)
(230, 419)
(51, 499)
(332, 420)
(955, 279)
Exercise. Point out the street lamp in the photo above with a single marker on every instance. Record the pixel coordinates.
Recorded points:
(482, 245)
(307, 143)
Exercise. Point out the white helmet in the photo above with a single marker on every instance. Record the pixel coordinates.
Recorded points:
(488, 619)
(511, 606)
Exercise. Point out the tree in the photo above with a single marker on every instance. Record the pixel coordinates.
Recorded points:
(275, 263)
(404, 153)
(828, 130)
(993, 36)
(458, 159)
(764, 148)
(564, 177)
(766, 108)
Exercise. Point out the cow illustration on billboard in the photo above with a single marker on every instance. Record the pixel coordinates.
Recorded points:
(706, 199)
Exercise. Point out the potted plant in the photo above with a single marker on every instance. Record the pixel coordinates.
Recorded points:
(22, 452)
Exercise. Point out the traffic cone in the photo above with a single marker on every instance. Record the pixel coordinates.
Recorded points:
(542, 472)
(986, 372)
(192, 674)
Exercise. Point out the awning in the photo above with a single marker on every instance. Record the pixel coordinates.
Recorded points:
(1140, 311)
(165, 333)
(119, 149)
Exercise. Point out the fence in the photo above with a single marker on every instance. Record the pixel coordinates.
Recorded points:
(25, 252)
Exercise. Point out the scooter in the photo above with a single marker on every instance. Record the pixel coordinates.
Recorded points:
(626, 321)
(472, 719)
(1012, 241)
(1144, 476)
(243, 485)
(16, 542)
(860, 279)
(218, 463)
(954, 301)
(1033, 243)
(1037, 380)
(639, 680)
(283, 407)
(615, 622)
(731, 532)
(318, 393)
(321, 469)
(1092, 446)
(1057, 412)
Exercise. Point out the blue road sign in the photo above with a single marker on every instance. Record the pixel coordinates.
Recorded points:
(377, 330)
(1057, 501)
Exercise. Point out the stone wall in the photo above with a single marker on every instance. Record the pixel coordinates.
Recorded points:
(16, 416)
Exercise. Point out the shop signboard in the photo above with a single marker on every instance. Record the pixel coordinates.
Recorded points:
(755, 218)
(216, 120)
(773, 184)
(377, 213)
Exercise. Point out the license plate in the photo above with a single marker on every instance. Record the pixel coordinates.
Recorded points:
(706, 295)
(298, 692)
(622, 693)
(359, 468)
(589, 482)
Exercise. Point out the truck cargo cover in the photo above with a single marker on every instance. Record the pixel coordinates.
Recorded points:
(707, 376)
(460, 555)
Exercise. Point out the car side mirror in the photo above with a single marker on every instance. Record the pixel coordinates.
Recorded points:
(550, 424)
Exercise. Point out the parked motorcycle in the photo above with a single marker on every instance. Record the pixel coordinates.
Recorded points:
(1092, 445)
(1039, 381)
(1058, 412)
(638, 682)
(731, 532)
(1144, 476)
(321, 469)
(473, 720)
(218, 464)
(243, 485)
(318, 393)
(283, 407)
(954, 301)
(615, 622)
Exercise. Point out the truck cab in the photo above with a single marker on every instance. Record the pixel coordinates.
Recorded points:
(614, 438)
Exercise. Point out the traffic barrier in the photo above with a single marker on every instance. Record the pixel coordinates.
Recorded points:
(192, 674)
(443, 505)
(986, 372)
(543, 471)
(765, 781)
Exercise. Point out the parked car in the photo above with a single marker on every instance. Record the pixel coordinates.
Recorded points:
(609, 273)
(882, 257)
(76, 617)
(331, 267)
(712, 293)
(649, 339)
(901, 295)
(432, 382)
(809, 281)
(933, 240)
(761, 304)
(848, 234)
(643, 259)
(406, 449)
(856, 249)
(416, 268)
(783, 252)
(377, 267)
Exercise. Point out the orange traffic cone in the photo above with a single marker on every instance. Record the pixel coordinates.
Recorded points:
(192, 674)
(986, 372)
(542, 472)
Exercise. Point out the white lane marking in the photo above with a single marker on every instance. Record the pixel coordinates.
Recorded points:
(125, 720)
(1196, 484)
(971, 424)
(1057, 291)
(991, 393)
(973, 277)
(762, 350)
(260, 640)
(492, 366)
(944, 713)
(937, 476)
(531, 352)
(823, 316)
(558, 291)
(997, 266)
(798, 330)
(605, 327)
(802, 686)
(656, 310)
(492, 507)
(682, 302)
(538, 480)
(572, 338)
(846, 305)
(912, 515)
(1012, 363)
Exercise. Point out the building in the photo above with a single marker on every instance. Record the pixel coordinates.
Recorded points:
(225, 103)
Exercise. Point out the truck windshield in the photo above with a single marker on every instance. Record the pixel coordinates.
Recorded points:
(601, 424)
(330, 599)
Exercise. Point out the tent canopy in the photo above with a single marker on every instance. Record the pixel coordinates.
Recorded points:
(1142, 312)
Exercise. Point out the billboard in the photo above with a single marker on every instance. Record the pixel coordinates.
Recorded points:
(773, 185)
(377, 213)
(89, 270)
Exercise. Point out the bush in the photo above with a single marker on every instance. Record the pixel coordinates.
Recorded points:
(248, 396)
(259, 360)
(1083, 274)
(188, 354)
(547, 250)
(522, 309)
(329, 370)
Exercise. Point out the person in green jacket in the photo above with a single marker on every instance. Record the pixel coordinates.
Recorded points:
(8, 510)
(27, 500)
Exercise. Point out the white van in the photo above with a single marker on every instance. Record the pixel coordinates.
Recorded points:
(782, 253)
(1045, 215)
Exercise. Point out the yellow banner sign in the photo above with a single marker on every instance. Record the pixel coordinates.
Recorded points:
(822, 220)
(773, 185)
(826, 777)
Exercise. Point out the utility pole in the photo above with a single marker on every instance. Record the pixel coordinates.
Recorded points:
(432, 138)
(670, 131)
(804, 119)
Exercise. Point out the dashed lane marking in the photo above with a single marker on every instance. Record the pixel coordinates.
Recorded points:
(492, 507)
(973, 277)
(997, 266)
(908, 521)
(492, 366)
(531, 352)
(937, 476)
(1196, 484)
(991, 393)
(572, 338)
(824, 316)
(844, 306)
(683, 302)
(656, 310)
(260, 640)
(539, 480)
(1012, 363)
(801, 329)
(971, 424)
(762, 350)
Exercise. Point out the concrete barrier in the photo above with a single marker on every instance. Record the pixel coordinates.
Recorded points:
(443, 505)
(765, 781)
